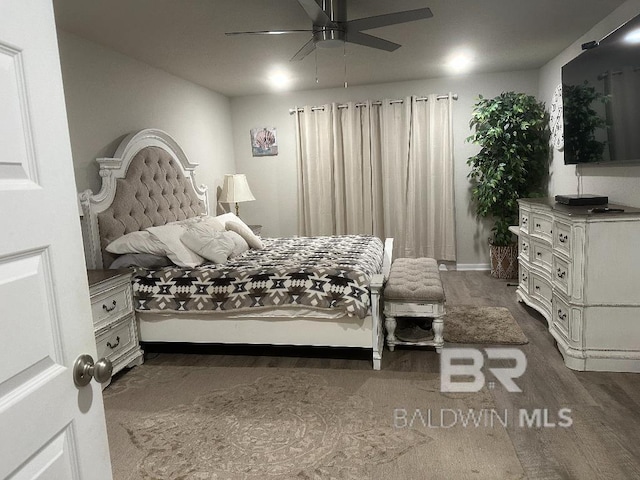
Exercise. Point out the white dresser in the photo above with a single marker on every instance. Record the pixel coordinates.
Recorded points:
(114, 320)
(581, 271)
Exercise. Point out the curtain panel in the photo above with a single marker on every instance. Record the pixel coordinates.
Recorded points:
(382, 169)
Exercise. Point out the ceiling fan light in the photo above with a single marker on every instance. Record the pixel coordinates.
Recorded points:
(279, 80)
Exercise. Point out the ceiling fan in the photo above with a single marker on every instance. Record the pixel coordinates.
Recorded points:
(331, 27)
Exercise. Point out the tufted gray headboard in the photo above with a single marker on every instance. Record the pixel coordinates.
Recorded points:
(149, 182)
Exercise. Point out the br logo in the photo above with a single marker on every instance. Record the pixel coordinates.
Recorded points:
(472, 368)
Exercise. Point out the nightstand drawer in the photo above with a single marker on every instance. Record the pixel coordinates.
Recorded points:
(117, 340)
(111, 305)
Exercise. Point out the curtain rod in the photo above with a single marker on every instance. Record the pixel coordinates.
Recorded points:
(454, 96)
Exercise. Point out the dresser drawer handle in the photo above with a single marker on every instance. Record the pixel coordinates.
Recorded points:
(561, 274)
(538, 225)
(524, 278)
(538, 287)
(563, 238)
(561, 314)
(115, 344)
(539, 254)
(525, 247)
(109, 309)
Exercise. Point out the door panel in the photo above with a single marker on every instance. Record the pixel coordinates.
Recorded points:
(49, 428)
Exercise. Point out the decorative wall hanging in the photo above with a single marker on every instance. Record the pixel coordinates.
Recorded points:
(264, 142)
(556, 119)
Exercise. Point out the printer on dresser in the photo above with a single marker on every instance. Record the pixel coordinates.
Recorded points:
(581, 271)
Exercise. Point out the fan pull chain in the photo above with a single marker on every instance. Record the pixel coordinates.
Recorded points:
(344, 56)
(316, 54)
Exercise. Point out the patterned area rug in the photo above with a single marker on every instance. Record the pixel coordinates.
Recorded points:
(176, 422)
(482, 325)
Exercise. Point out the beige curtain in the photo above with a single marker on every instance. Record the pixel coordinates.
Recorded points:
(385, 170)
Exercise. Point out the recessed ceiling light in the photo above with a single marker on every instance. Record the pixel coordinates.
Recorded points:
(279, 79)
(460, 62)
(633, 36)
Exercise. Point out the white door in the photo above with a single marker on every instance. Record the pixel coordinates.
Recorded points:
(49, 428)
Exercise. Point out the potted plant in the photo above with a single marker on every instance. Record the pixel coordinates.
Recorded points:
(512, 130)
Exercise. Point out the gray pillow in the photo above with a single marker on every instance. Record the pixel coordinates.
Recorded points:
(145, 260)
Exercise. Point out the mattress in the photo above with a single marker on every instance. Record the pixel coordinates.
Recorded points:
(329, 273)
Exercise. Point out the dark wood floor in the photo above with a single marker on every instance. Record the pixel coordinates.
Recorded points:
(604, 440)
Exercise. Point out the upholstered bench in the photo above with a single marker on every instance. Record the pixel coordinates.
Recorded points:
(414, 289)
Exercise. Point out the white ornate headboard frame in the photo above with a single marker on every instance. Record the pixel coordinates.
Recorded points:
(114, 169)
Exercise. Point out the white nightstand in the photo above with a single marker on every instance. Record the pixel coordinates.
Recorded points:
(114, 320)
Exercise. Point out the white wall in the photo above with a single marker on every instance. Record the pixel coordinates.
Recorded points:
(110, 95)
(619, 183)
(273, 179)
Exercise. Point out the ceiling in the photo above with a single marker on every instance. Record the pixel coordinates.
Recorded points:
(186, 38)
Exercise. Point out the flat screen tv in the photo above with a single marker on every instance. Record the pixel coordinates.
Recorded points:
(601, 100)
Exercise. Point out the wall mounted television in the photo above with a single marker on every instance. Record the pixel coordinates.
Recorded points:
(601, 100)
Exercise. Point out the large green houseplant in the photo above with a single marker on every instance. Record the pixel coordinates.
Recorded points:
(512, 130)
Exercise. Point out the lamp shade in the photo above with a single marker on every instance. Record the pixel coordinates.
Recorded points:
(235, 189)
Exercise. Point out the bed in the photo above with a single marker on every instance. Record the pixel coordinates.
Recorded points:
(150, 183)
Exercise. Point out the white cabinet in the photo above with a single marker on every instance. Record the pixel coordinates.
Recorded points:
(114, 319)
(581, 271)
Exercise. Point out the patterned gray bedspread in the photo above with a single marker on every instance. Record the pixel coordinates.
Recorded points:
(313, 272)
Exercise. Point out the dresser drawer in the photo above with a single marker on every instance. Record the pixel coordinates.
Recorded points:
(541, 255)
(111, 305)
(541, 225)
(541, 289)
(561, 316)
(524, 277)
(561, 274)
(524, 247)
(524, 220)
(562, 238)
(118, 339)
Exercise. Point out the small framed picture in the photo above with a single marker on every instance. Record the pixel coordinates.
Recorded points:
(264, 142)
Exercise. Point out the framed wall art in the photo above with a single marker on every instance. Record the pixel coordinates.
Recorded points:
(264, 142)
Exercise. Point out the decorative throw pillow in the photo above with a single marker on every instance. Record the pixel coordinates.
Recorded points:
(240, 244)
(246, 233)
(177, 251)
(211, 244)
(137, 242)
(144, 260)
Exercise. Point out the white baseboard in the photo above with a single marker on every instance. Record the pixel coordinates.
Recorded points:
(475, 267)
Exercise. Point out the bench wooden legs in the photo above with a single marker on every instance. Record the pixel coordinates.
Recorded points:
(438, 327)
(391, 324)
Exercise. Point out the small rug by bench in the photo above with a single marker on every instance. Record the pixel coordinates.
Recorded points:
(484, 325)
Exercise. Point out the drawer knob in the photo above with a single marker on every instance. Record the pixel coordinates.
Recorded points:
(561, 314)
(84, 369)
(111, 308)
(561, 273)
(539, 254)
(563, 238)
(115, 344)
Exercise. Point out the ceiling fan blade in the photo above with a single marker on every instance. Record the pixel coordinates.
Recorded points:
(371, 41)
(306, 49)
(267, 32)
(315, 12)
(388, 19)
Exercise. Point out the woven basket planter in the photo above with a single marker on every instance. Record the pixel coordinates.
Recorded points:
(504, 261)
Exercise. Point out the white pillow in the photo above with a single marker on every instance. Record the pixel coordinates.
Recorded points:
(240, 244)
(137, 242)
(212, 244)
(245, 232)
(177, 251)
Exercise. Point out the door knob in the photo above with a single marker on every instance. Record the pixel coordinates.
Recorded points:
(84, 369)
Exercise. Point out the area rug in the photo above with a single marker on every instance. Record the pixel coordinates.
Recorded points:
(482, 325)
(230, 423)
